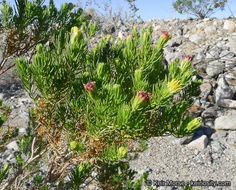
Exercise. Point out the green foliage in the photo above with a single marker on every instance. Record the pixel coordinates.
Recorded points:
(4, 172)
(8, 134)
(24, 143)
(38, 179)
(124, 74)
(199, 8)
(6, 13)
(31, 23)
(113, 153)
(94, 99)
(119, 176)
(19, 160)
(44, 20)
(5, 111)
(80, 174)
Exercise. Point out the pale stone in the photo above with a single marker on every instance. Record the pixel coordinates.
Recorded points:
(232, 138)
(205, 90)
(195, 38)
(217, 146)
(22, 131)
(214, 68)
(210, 30)
(223, 91)
(227, 122)
(200, 143)
(227, 103)
(13, 146)
(230, 26)
(232, 44)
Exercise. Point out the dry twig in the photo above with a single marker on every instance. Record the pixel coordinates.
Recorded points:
(20, 170)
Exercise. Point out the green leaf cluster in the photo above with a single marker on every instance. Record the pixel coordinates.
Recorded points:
(199, 8)
(98, 96)
(41, 20)
(4, 172)
(133, 95)
(80, 174)
(4, 112)
(30, 22)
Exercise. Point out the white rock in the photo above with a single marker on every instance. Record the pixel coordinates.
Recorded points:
(223, 90)
(13, 146)
(195, 38)
(200, 25)
(22, 131)
(229, 25)
(210, 30)
(232, 44)
(215, 68)
(199, 143)
(232, 138)
(217, 146)
(227, 122)
(230, 78)
(227, 103)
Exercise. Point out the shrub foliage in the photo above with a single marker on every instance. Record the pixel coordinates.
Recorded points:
(199, 8)
(30, 22)
(93, 100)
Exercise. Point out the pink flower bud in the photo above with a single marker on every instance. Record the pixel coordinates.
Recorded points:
(188, 58)
(140, 100)
(90, 86)
(129, 36)
(166, 35)
(143, 95)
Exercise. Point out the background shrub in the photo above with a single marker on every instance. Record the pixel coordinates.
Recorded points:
(199, 8)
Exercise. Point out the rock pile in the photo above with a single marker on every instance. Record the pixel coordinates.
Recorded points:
(210, 154)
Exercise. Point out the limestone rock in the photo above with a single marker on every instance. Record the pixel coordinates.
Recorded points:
(226, 103)
(217, 146)
(214, 68)
(195, 38)
(232, 44)
(206, 89)
(223, 91)
(209, 113)
(210, 30)
(13, 146)
(218, 135)
(199, 143)
(232, 138)
(230, 26)
(227, 122)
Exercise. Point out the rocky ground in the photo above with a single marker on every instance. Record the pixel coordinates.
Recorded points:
(210, 154)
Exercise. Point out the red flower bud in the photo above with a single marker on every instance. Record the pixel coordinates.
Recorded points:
(90, 86)
(188, 58)
(129, 35)
(165, 35)
(143, 95)
(140, 100)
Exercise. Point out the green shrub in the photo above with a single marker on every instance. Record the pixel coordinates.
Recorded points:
(31, 23)
(199, 8)
(4, 112)
(93, 100)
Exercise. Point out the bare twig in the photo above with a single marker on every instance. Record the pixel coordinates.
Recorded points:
(20, 170)
(1, 72)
